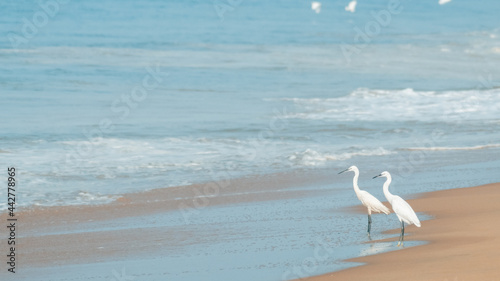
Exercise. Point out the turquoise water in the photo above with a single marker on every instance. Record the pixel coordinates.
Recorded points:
(258, 87)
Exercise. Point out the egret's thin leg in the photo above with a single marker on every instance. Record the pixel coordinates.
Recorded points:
(401, 237)
(369, 224)
(403, 233)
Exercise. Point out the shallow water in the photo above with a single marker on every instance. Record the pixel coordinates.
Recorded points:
(272, 240)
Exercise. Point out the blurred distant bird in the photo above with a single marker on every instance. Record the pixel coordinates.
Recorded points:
(402, 209)
(351, 7)
(316, 6)
(368, 200)
(442, 2)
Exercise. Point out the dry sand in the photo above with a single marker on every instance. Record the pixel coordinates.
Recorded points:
(464, 241)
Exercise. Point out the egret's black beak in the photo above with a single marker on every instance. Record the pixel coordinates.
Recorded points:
(343, 171)
(377, 176)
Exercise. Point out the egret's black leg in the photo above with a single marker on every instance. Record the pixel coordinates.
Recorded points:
(401, 237)
(402, 233)
(369, 224)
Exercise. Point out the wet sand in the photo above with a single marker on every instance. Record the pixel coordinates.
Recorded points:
(463, 241)
(78, 234)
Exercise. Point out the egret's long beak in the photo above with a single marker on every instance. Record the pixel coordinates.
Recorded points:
(377, 176)
(344, 171)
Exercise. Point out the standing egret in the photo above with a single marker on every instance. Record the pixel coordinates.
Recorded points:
(402, 209)
(368, 200)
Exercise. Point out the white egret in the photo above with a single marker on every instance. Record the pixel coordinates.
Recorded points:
(442, 2)
(351, 7)
(368, 200)
(402, 209)
(316, 6)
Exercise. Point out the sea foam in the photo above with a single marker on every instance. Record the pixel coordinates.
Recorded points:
(401, 105)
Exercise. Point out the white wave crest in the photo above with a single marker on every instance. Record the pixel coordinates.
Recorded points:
(443, 148)
(310, 157)
(402, 105)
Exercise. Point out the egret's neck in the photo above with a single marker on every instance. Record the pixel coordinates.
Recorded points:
(387, 194)
(355, 181)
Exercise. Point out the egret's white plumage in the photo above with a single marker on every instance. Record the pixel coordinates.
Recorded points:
(351, 7)
(402, 209)
(316, 6)
(368, 200)
(442, 2)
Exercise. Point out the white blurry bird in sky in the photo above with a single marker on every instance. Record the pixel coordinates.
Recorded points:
(351, 7)
(442, 2)
(402, 209)
(368, 200)
(316, 6)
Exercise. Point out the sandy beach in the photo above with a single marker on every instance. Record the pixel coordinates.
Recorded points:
(463, 241)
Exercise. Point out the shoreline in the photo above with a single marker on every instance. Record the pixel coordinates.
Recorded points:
(60, 226)
(99, 233)
(462, 241)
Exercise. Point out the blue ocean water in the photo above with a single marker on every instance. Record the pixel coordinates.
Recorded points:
(260, 86)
